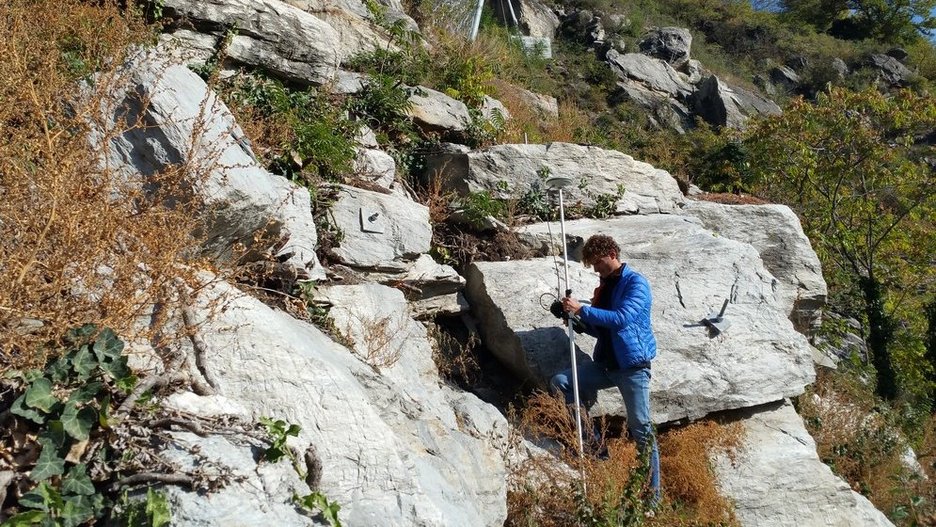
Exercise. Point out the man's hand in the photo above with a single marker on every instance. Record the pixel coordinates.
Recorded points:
(571, 305)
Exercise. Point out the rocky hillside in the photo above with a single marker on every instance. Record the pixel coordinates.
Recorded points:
(332, 277)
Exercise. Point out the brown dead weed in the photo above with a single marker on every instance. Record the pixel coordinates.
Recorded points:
(78, 243)
(542, 488)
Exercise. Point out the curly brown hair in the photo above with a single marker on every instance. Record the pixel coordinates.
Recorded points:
(597, 246)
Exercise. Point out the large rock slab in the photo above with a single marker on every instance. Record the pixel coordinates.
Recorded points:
(435, 111)
(270, 35)
(378, 229)
(395, 446)
(890, 70)
(652, 73)
(759, 359)
(183, 122)
(723, 105)
(776, 233)
(776, 479)
(512, 170)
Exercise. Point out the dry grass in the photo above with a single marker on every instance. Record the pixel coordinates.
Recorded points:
(77, 242)
(455, 358)
(863, 445)
(529, 124)
(542, 489)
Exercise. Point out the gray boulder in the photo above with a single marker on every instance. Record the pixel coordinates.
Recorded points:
(538, 19)
(776, 479)
(665, 111)
(653, 74)
(758, 359)
(513, 170)
(271, 35)
(435, 111)
(375, 166)
(890, 70)
(776, 233)
(785, 78)
(723, 105)
(379, 229)
(671, 44)
(185, 123)
(395, 447)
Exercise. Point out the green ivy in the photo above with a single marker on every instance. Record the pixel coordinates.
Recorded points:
(67, 403)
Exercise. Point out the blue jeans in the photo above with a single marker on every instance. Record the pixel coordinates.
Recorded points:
(634, 385)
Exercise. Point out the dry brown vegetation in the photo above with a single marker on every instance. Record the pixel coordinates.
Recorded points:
(542, 488)
(78, 243)
(863, 446)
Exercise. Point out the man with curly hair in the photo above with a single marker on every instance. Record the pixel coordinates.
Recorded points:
(619, 318)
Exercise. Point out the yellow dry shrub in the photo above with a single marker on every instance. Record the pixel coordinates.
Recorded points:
(78, 244)
(541, 489)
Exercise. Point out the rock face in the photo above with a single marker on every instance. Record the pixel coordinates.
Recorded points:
(437, 112)
(395, 448)
(723, 105)
(671, 44)
(654, 74)
(759, 359)
(379, 229)
(271, 35)
(776, 233)
(647, 190)
(890, 70)
(800, 489)
(244, 199)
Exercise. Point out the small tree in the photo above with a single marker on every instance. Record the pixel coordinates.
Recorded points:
(851, 166)
(893, 21)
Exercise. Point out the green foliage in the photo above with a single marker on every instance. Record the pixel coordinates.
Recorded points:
(482, 131)
(68, 403)
(477, 207)
(851, 166)
(319, 143)
(383, 104)
(889, 21)
(317, 501)
(152, 512)
(278, 431)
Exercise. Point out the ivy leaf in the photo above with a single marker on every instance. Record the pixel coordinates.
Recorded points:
(85, 393)
(84, 362)
(25, 518)
(49, 464)
(77, 510)
(77, 481)
(107, 345)
(78, 422)
(44, 497)
(157, 507)
(81, 334)
(60, 369)
(39, 395)
(53, 437)
(19, 408)
(117, 368)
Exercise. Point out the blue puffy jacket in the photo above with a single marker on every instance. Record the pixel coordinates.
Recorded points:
(629, 321)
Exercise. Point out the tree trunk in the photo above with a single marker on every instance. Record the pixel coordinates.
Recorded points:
(880, 331)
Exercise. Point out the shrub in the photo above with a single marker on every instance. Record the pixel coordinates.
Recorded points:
(546, 490)
(301, 134)
(71, 252)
